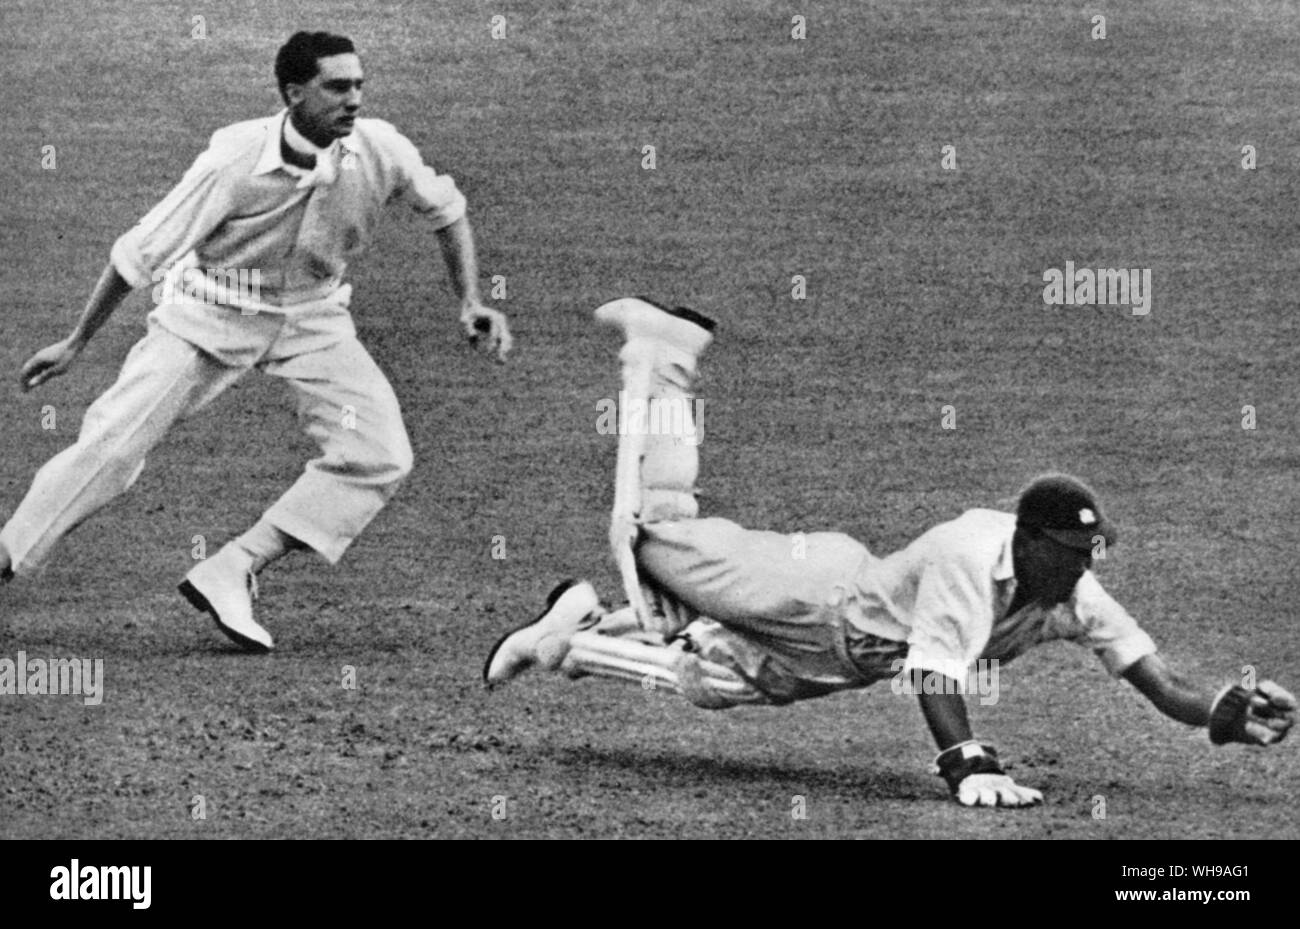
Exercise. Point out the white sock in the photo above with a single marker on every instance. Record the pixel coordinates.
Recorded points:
(265, 544)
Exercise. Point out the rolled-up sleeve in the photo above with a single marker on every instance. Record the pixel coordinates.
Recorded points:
(951, 619)
(181, 220)
(427, 191)
(1107, 628)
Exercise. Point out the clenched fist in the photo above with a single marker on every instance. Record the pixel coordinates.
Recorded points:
(487, 329)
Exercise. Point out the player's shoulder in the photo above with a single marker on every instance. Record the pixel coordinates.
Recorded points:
(977, 527)
(240, 140)
(245, 130)
(977, 536)
(380, 133)
(985, 519)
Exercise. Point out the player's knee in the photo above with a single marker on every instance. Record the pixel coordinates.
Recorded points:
(384, 464)
(660, 504)
(712, 687)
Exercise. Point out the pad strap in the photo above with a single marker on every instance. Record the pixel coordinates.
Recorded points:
(959, 762)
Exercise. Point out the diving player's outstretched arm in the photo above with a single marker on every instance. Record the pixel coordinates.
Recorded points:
(1259, 716)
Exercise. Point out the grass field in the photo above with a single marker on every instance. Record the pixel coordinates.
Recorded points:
(775, 157)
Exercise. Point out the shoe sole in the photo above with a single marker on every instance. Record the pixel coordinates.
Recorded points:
(683, 312)
(200, 603)
(551, 599)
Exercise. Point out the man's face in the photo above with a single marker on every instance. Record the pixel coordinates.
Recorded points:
(325, 108)
(1051, 570)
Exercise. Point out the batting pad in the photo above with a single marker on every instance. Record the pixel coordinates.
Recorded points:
(704, 683)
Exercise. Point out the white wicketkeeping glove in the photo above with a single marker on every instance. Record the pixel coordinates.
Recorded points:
(995, 790)
(1259, 717)
(976, 779)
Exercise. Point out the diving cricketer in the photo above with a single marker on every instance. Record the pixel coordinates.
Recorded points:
(249, 255)
(725, 615)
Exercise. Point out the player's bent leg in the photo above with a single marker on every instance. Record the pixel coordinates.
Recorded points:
(163, 379)
(345, 404)
(660, 429)
(781, 600)
(659, 434)
(766, 582)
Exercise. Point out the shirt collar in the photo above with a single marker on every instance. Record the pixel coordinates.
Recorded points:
(278, 126)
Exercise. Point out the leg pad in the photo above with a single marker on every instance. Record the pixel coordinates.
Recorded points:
(705, 683)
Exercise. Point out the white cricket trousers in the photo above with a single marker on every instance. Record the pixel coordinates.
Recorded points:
(191, 353)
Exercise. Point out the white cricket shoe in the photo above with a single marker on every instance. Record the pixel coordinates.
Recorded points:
(225, 587)
(643, 319)
(571, 607)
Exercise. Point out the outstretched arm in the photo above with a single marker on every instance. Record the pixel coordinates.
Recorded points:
(1170, 692)
(1236, 714)
(51, 361)
(481, 324)
(198, 204)
(970, 767)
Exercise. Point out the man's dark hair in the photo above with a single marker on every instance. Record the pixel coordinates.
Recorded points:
(296, 62)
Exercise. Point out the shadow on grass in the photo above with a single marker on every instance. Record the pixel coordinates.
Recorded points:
(682, 771)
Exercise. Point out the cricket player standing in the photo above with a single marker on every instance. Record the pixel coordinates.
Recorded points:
(726, 615)
(248, 254)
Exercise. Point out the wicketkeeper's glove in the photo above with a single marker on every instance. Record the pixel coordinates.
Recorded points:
(1257, 717)
(976, 779)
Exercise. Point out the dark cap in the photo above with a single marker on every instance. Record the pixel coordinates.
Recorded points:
(1065, 510)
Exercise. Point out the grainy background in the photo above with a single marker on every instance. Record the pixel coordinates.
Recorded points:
(775, 157)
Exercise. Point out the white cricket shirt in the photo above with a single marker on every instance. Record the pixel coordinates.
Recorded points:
(242, 207)
(946, 594)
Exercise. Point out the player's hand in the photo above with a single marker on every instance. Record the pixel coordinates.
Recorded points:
(995, 790)
(1272, 711)
(1260, 717)
(487, 329)
(49, 362)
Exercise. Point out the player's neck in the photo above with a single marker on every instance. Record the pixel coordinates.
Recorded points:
(298, 144)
